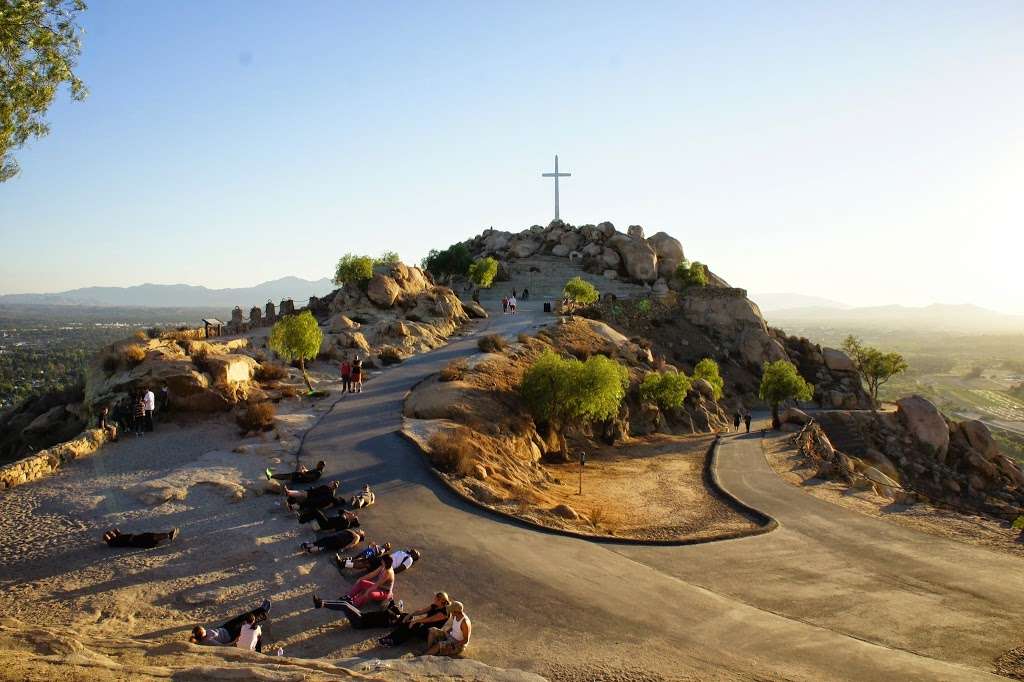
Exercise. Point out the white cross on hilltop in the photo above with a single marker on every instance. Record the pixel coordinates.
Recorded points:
(556, 175)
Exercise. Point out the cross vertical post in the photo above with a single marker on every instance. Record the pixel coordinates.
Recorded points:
(556, 175)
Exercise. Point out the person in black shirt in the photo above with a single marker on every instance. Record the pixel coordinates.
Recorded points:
(346, 539)
(387, 617)
(115, 538)
(342, 521)
(417, 623)
(300, 475)
(314, 498)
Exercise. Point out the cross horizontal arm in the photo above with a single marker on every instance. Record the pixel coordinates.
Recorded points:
(555, 175)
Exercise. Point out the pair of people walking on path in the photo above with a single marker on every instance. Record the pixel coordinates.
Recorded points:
(745, 417)
(352, 375)
(508, 305)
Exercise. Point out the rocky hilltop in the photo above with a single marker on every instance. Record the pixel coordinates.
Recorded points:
(684, 323)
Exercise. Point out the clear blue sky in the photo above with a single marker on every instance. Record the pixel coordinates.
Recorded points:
(868, 152)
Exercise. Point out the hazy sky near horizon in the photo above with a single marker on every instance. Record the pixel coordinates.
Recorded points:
(869, 152)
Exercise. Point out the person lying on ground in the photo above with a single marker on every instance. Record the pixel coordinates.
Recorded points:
(451, 639)
(320, 496)
(346, 539)
(367, 559)
(387, 617)
(340, 522)
(363, 498)
(300, 475)
(115, 538)
(403, 559)
(228, 632)
(377, 585)
(250, 637)
(417, 623)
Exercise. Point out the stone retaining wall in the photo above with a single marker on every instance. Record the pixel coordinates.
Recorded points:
(47, 461)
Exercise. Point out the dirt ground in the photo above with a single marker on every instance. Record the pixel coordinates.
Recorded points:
(649, 489)
(971, 529)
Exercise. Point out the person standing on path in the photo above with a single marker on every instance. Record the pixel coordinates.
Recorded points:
(746, 421)
(357, 376)
(736, 420)
(346, 375)
(512, 304)
(139, 415)
(504, 305)
(149, 404)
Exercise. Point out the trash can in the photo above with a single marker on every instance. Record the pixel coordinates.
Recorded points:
(547, 306)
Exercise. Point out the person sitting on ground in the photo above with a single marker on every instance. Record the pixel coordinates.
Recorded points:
(250, 637)
(451, 639)
(228, 632)
(320, 496)
(403, 559)
(364, 498)
(377, 585)
(418, 623)
(300, 475)
(346, 539)
(115, 538)
(387, 617)
(367, 559)
(345, 519)
(106, 424)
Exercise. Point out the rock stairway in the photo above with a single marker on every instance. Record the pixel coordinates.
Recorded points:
(843, 434)
(545, 276)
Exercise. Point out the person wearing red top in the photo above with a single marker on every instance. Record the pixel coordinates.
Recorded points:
(346, 375)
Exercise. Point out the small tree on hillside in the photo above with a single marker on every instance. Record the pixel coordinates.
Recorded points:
(665, 389)
(693, 274)
(387, 258)
(579, 292)
(453, 261)
(781, 381)
(297, 337)
(483, 271)
(874, 366)
(559, 391)
(353, 269)
(707, 369)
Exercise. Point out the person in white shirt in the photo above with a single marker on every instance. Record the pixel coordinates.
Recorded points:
(231, 631)
(451, 639)
(403, 559)
(149, 404)
(251, 635)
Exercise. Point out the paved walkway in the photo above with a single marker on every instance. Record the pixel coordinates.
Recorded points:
(832, 594)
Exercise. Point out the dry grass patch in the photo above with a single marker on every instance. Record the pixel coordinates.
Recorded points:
(270, 371)
(492, 343)
(454, 370)
(256, 417)
(452, 451)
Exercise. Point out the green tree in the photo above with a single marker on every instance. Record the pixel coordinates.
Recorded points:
(560, 390)
(692, 274)
(453, 261)
(353, 269)
(781, 381)
(707, 369)
(297, 337)
(874, 366)
(666, 389)
(387, 258)
(483, 271)
(40, 42)
(579, 292)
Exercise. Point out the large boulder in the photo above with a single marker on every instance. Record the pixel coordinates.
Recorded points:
(980, 438)
(383, 290)
(837, 360)
(525, 248)
(474, 309)
(411, 280)
(341, 323)
(639, 258)
(560, 250)
(669, 252)
(925, 423)
(606, 229)
(610, 258)
(635, 231)
(229, 369)
(496, 240)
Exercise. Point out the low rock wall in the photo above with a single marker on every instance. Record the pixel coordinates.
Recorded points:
(45, 462)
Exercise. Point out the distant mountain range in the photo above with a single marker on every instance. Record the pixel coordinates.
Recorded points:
(180, 295)
(964, 318)
(785, 301)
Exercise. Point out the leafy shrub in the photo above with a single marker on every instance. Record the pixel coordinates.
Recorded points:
(492, 343)
(559, 391)
(455, 260)
(707, 369)
(270, 371)
(353, 269)
(580, 292)
(288, 391)
(454, 370)
(692, 274)
(483, 272)
(665, 389)
(256, 417)
(451, 450)
(387, 258)
(297, 337)
(781, 381)
(643, 306)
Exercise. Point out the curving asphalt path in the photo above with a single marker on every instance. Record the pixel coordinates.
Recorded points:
(831, 594)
